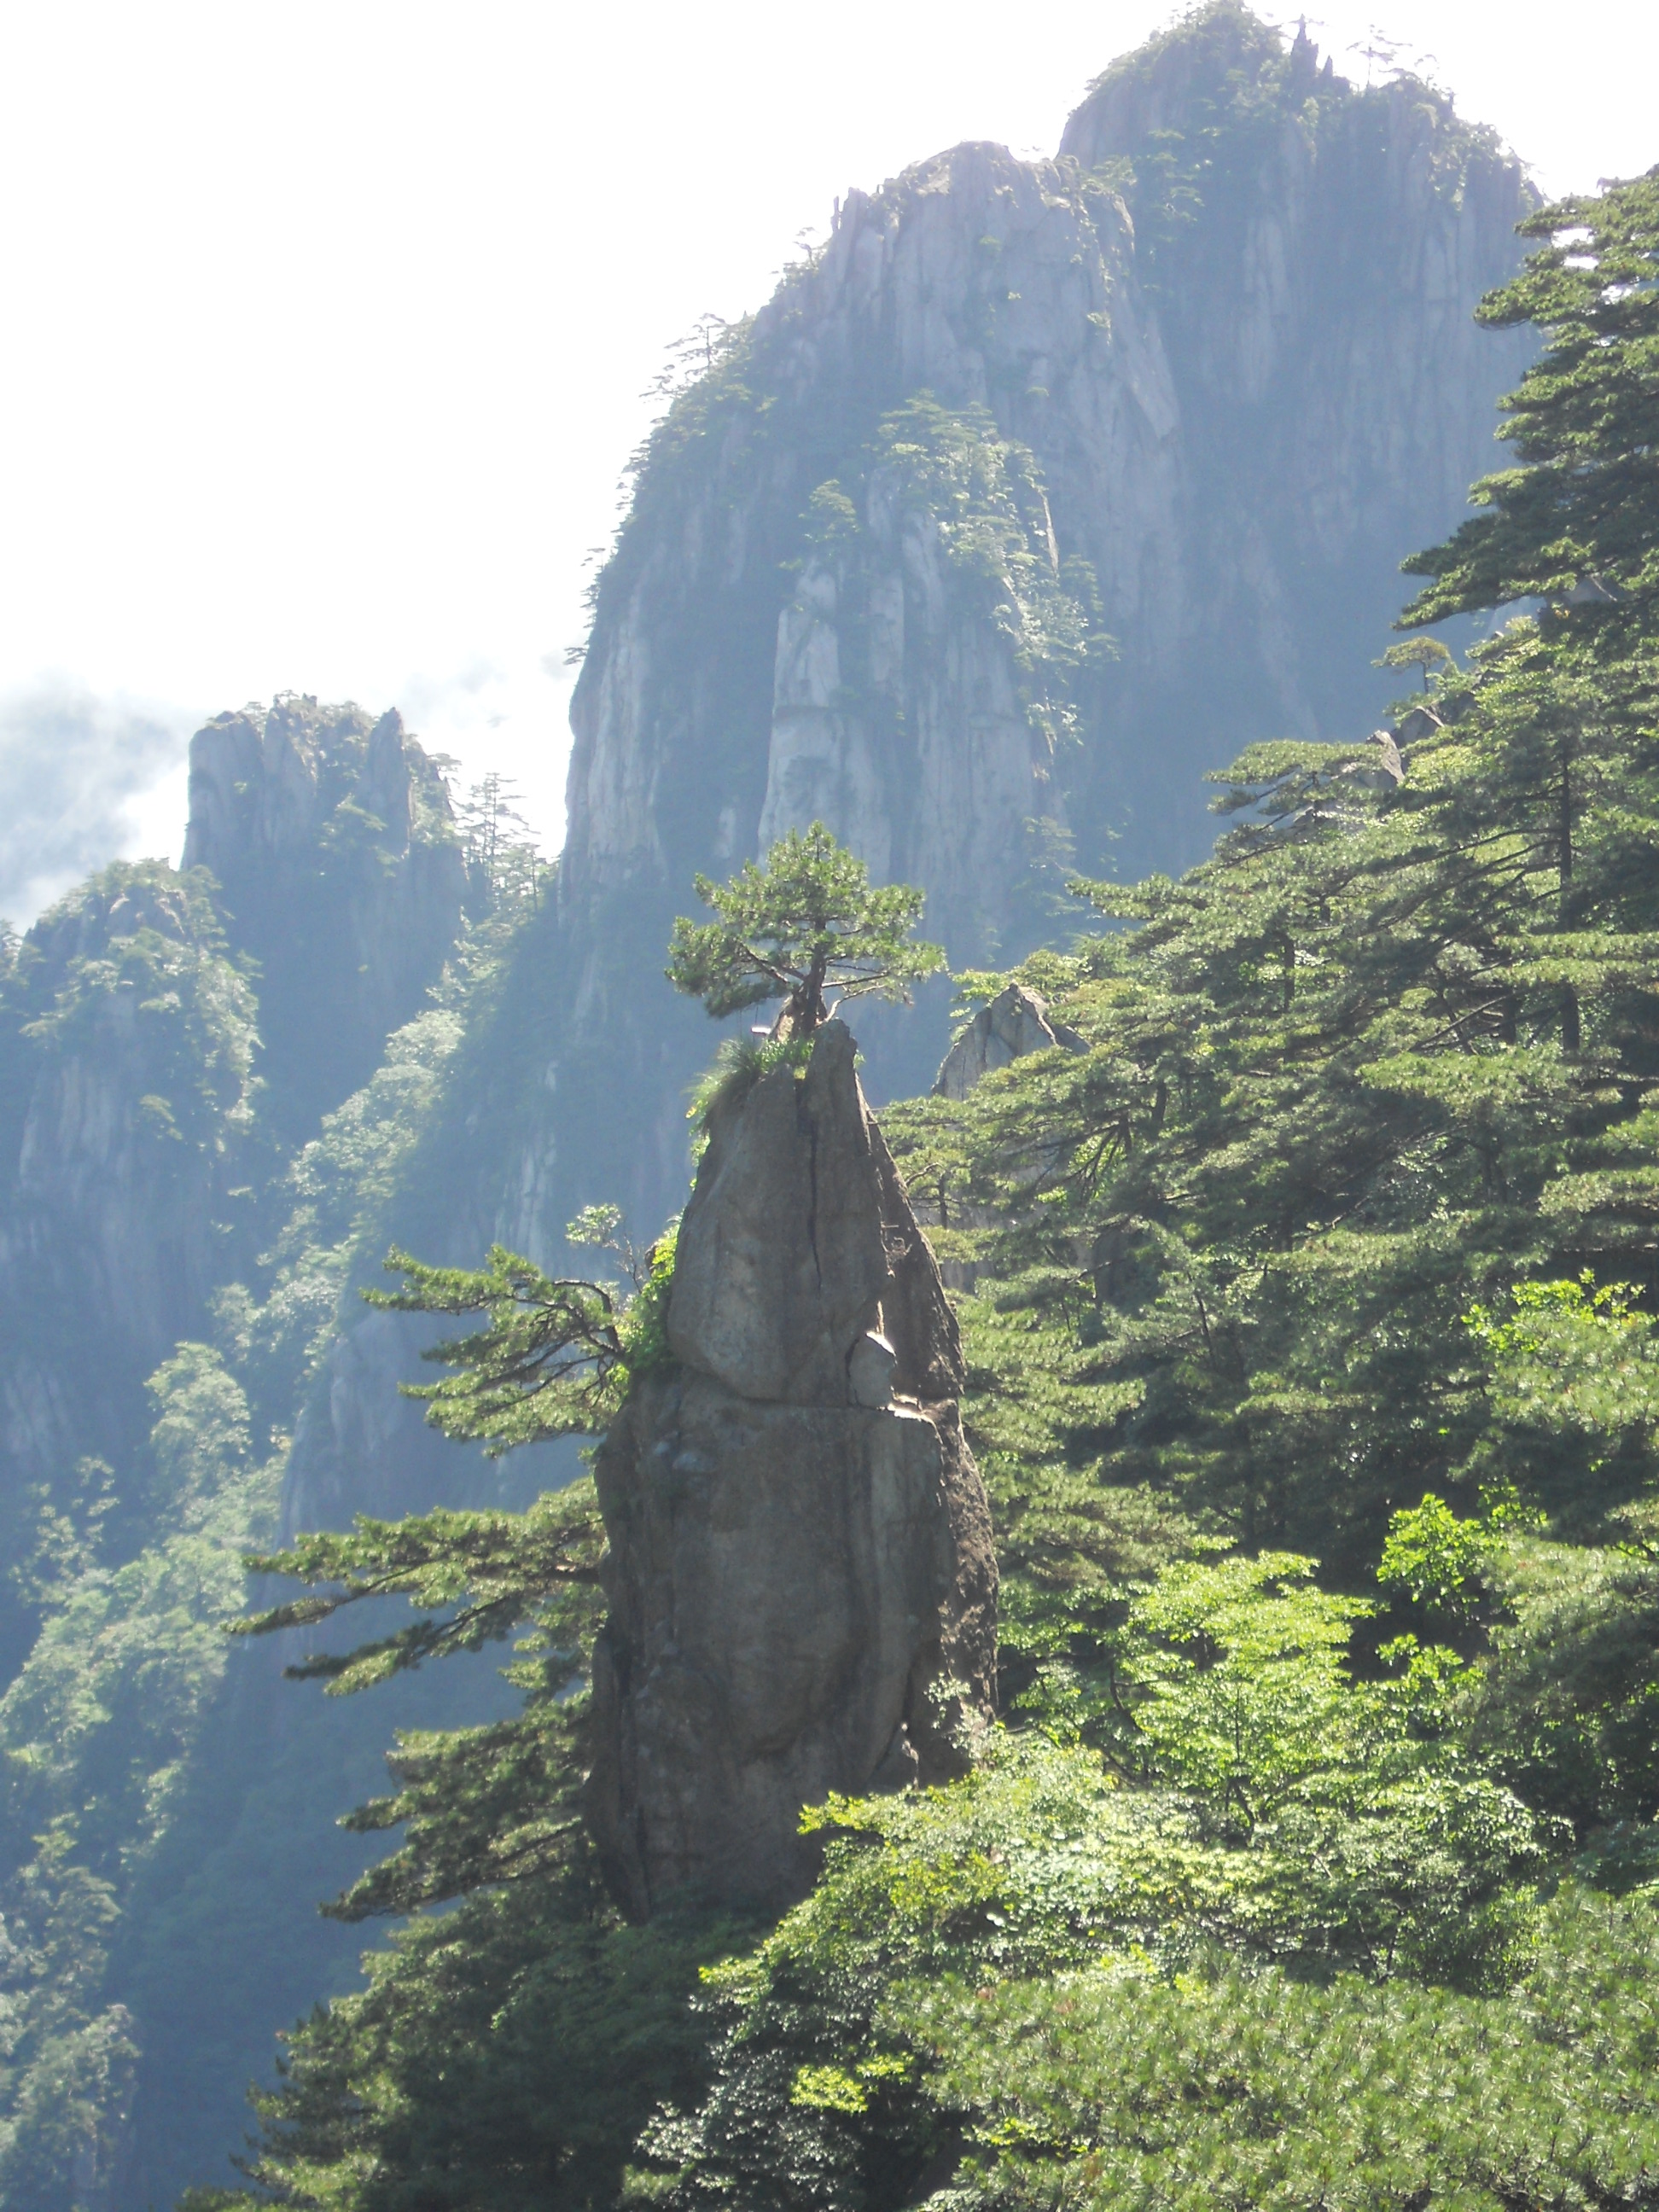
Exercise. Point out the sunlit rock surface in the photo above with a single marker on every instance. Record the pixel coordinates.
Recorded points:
(800, 1572)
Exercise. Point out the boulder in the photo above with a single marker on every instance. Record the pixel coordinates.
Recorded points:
(870, 1370)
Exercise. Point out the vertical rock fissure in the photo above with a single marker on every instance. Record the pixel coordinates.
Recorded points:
(812, 1200)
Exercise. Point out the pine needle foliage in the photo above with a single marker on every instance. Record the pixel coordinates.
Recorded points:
(1576, 523)
(552, 1360)
(1392, 1052)
(502, 2057)
(480, 1805)
(499, 1803)
(807, 922)
(1224, 2086)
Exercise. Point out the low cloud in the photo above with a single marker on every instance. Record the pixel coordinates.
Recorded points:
(75, 771)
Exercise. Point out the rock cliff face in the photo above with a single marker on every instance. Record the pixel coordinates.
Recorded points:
(1197, 385)
(329, 834)
(126, 1050)
(801, 1572)
(141, 1068)
(134, 1082)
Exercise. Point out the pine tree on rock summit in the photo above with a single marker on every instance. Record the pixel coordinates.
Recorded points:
(806, 920)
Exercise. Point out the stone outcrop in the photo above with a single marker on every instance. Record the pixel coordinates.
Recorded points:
(1015, 1022)
(801, 1579)
(781, 1264)
(1006, 1027)
(328, 831)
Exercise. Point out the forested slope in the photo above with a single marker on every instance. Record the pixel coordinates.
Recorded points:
(184, 1184)
(1313, 1368)
(1042, 487)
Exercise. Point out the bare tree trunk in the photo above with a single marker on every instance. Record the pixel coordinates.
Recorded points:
(1571, 1028)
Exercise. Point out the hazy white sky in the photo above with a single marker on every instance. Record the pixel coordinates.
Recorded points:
(326, 326)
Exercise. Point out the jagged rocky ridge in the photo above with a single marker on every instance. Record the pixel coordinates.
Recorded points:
(800, 1570)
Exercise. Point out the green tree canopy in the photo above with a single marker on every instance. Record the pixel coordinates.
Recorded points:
(555, 1356)
(554, 1359)
(1578, 522)
(806, 921)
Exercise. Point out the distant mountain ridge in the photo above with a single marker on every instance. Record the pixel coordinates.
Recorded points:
(167, 1038)
(329, 834)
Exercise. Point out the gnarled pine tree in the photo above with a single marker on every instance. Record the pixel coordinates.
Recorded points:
(807, 922)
